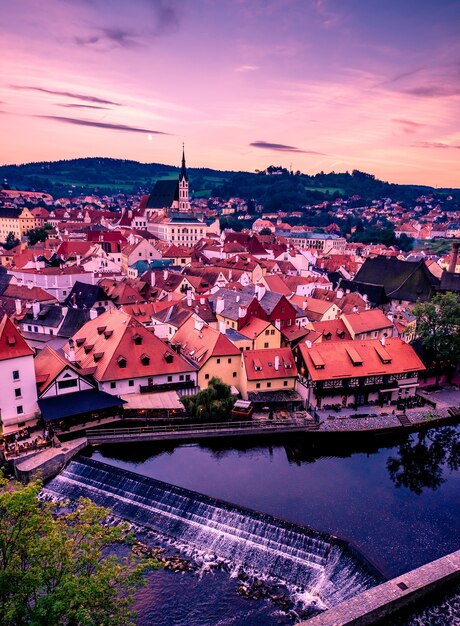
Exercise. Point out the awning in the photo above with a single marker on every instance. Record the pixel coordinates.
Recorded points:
(77, 403)
(166, 400)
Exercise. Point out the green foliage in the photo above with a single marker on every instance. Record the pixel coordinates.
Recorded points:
(37, 234)
(212, 404)
(385, 236)
(58, 568)
(438, 327)
(11, 241)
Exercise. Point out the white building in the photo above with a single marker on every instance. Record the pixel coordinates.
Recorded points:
(18, 399)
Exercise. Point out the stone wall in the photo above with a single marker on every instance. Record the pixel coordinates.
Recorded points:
(48, 463)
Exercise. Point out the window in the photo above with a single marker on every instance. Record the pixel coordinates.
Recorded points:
(218, 361)
(113, 385)
(257, 385)
(29, 328)
(235, 374)
(36, 329)
(64, 293)
(130, 383)
(267, 332)
(19, 410)
(66, 384)
(285, 383)
(269, 385)
(51, 331)
(187, 376)
(266, 345)
(229, 360)
(206, 376)
(169, 379)
(17, 392)
(272, 332)
(15, 374)
(181, 377)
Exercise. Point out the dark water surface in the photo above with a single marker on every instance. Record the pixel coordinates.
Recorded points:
(397, 500)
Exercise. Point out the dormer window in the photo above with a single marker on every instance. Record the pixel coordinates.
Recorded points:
(121, 362)
(101, 329)
(80, 341)
(145, 359)
(108, 333)
(137, 340)
(169, 357)
(88, 348)
(97, 356)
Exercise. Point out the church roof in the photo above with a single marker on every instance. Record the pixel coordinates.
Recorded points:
(164, 193)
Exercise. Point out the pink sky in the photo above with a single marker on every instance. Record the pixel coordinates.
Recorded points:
(319, 84)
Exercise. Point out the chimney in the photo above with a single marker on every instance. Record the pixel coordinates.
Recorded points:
(308, 343)
(189, 297)
(35, 309)
(382, 341)
(199, 324)
(237, 298)
(64, 310)
(220, 304)
(390, 316)
(165, 275)
(78, 259)
(260, 292)
(71, 354)
(242, 311)
(152, 278)
(278, 324)
(202, 300)
(18, 306)
(454, 257)
(277, 363)
(222, 327)
(92, 314)
(339, 294)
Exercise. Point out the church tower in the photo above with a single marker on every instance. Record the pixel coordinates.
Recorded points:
(184, 202)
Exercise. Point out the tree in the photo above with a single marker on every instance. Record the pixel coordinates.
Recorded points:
(212, 404)
(37, 234)
(265, 231)
(59, 568)
(11, 241)
(438, 328)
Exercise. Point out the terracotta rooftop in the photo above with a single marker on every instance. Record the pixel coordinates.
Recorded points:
(12, 344)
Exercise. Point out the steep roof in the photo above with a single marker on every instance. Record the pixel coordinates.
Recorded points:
(402, 280)
(48, 365)
(12, 344)
(163, 194)
(269, 363)
(201, 342)
(118, 347)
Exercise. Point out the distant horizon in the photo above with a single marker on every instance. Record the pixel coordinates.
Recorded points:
(319, 84)
(233, 171)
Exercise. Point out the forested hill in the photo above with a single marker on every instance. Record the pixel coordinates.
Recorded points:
(278, 190)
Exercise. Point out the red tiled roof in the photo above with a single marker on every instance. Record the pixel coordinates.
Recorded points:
(12, 344)
(260, 364)
(338, 358)
(367, 321)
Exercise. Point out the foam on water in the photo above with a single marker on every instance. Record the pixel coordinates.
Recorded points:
(319, 570)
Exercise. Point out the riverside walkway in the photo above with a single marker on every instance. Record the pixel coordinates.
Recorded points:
(197, 431)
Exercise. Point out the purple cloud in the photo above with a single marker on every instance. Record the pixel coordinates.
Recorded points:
(432, 144)
(280, 147)
(83, 106)
(66, 94)
(408, 126)
(80, 122)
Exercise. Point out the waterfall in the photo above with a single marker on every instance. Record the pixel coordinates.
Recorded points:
(320, 564)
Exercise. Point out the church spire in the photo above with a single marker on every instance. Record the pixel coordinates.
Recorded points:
(183, 172)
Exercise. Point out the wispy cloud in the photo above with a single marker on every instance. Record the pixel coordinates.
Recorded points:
(247, 68)
(408, 126)
(280, 147)
(115, 37)
(66, 94)
(83, 106)
(433, 144)
(79, 122)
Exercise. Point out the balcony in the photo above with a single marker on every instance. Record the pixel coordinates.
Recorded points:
(177, 386)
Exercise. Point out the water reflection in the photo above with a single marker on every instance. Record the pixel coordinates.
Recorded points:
(422, 459)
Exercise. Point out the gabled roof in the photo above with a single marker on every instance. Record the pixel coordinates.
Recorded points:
(12, 344)
(113, 339)
(84, 295)
(367, 321)
(199, 343)
(48, 365)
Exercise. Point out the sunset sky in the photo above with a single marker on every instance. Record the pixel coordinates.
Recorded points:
(319, 84)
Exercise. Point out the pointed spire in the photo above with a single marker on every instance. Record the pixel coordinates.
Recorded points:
(183, 172)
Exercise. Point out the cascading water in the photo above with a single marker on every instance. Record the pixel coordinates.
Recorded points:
(324, 567)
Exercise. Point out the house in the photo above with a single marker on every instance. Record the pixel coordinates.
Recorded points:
(18, 400)
(372, 324)
(354, 373)
(68, 399)
(210, 351)
(269, 378)
(124, 357)
(15, 220)
(316, 310)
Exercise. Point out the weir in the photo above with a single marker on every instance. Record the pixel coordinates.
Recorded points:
(323, 566)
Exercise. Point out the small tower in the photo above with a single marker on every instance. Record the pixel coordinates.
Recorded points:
(184, 203)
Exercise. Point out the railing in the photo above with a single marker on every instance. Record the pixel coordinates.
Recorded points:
(177, 386)
(99, 434)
